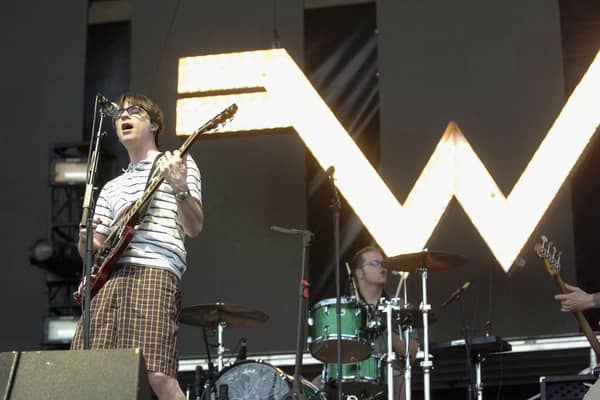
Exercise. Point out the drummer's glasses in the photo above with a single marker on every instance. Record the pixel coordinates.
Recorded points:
(374, 263)
(131, 110)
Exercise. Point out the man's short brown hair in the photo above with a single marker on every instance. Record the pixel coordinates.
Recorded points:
(153, 110)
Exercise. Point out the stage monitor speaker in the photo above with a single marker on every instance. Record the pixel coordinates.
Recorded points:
(118, 374)
(567, 387)
(8, 365)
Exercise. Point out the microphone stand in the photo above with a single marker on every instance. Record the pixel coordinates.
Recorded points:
(296, 392)
(470, 383)
(335, 208)
(87, 218)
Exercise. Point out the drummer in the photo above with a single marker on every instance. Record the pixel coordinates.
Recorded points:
(370, 278)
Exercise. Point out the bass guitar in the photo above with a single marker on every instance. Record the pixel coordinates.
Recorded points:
(548, 253)
(124, 228)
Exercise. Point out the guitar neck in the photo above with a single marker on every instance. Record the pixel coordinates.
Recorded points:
(583, 323)
(132, 216)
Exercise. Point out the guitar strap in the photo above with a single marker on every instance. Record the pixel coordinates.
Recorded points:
(150, 177)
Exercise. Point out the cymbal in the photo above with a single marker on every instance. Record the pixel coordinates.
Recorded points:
(232, 315)
(433, 260)
(412, 316)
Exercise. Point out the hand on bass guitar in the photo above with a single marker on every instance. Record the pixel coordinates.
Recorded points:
(577, 299)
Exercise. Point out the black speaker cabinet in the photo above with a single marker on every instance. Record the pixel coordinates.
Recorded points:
(118, 374)
(567, 387)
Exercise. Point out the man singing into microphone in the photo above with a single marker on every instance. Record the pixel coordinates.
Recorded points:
(139, 305)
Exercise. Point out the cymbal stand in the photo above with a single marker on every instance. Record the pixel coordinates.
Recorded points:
(390, 305)
(478, 381)
(406, 332)
(209, 382)
(425, 307)
(221, 348)
(407, 367)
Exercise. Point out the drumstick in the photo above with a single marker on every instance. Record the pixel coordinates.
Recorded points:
(353, 281)
(402, 280)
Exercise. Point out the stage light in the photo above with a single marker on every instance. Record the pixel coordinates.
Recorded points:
(60, 258)
(59, 330)
(68, 172)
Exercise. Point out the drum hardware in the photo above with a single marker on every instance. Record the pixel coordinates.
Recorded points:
(218, 316)
(253, 380)
(365, 379)
(388, 307)
(323, 335)
(422, 262)
(480, 347)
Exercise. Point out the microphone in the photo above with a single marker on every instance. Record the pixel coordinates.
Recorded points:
(456, 294)
(242, 352)
(108, 107)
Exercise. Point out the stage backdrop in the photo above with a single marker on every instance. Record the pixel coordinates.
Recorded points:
(42, 69)
(495, 69)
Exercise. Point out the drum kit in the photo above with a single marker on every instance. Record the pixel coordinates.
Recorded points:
(364, 372)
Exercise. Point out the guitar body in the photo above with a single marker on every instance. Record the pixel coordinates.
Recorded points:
(101, 273)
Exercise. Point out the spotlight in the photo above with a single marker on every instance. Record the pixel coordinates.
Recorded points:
(60, 258)
(68, 172)
(59, 330)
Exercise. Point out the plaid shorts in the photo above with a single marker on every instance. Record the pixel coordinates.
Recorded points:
(138, 307)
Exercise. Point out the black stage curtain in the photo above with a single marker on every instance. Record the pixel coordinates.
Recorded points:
(341, 62)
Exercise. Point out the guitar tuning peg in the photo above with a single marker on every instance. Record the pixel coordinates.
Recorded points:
(552, 260)
(548, 248)
(557, 263)
(544, 240)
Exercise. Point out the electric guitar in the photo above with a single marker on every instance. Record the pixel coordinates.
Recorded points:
(547, 252)
(124, 228)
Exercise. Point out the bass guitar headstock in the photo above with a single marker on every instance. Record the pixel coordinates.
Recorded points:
(547, 251)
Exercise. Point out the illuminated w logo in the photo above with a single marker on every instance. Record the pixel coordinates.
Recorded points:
(272, 92)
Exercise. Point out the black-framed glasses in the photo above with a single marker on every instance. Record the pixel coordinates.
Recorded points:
(373, 263)
(131, 110)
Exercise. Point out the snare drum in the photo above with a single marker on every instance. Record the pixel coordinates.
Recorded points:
(367, 377)
(323, 331)
(256, 380)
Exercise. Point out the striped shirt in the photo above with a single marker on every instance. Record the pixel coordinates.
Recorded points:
(159, 238)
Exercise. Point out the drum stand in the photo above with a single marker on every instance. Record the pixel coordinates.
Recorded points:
(221, 348)
(425, 307)
(391, 304)
(407, 367)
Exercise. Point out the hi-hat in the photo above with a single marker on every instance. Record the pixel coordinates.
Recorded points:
(232, 315)
(409, 315)
(432, 260)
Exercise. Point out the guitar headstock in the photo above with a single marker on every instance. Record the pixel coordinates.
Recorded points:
(221, 119)
(547, 251)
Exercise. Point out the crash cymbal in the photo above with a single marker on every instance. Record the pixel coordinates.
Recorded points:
(409, 315)
(232, 315)
(433, 260)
